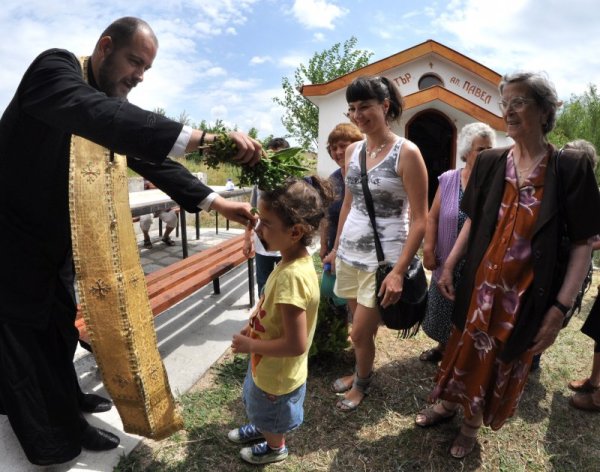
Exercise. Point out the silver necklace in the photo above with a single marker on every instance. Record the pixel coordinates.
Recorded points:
(535, 162)
(374, 152)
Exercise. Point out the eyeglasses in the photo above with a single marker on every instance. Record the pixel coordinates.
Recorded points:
(517, 104)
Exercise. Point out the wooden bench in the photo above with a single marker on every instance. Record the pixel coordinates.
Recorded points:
(173, 283)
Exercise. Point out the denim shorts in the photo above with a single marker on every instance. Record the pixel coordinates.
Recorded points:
(277, 414)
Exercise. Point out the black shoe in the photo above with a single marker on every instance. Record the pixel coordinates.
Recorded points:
(91, 403)
(96, 439)
(168, 241)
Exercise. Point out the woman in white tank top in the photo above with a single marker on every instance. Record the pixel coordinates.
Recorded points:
(397, 181)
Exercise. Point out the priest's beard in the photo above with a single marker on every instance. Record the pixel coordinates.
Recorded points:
(106, 83)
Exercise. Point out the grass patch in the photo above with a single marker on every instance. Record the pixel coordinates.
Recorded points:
(545, 434)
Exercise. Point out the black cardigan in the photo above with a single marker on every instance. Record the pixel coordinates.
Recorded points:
(481, 202)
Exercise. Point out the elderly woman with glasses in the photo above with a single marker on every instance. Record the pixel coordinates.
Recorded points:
(518, 282)
(444, 222)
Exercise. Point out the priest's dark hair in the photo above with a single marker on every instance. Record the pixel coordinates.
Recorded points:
(122, 30)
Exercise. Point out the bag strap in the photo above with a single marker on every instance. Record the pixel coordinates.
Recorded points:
(364, 180)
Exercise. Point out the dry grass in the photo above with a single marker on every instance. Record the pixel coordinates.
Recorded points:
(546, 434)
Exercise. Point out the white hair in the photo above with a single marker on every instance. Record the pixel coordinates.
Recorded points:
(586, 148)
(469, 132)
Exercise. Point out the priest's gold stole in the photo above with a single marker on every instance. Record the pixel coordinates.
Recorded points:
(112, 292)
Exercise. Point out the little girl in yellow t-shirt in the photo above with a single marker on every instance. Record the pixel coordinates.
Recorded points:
(281, 327)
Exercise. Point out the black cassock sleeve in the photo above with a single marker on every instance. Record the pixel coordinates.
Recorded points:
(53, 91)
(173, 179)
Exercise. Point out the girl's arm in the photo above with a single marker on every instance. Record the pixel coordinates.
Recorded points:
(413, 173)
(249, 250)
(323, 237)
(292, 343)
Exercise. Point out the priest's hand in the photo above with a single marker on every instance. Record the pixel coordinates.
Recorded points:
(240, 212)
(249, 149)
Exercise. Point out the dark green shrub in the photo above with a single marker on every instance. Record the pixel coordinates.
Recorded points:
(331, 333)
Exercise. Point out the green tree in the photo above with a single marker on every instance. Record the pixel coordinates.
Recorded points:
(184, 118)
(217, 127)
(266, 140)
(301, 118)
(579, 119)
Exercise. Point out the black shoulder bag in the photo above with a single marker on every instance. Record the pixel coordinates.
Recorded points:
(564, 246)
(406, 314)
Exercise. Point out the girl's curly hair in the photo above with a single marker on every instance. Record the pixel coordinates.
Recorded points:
(301, 202)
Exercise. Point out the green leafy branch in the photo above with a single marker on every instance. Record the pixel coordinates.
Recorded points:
(270, 172)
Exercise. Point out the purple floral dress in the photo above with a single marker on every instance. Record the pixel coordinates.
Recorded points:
(471, 373)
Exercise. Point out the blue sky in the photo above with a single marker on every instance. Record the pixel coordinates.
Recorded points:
(225, 59)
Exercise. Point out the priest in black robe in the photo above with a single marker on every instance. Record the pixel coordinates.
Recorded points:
(38, 385)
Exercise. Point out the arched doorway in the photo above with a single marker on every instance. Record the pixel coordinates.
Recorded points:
(434, 134)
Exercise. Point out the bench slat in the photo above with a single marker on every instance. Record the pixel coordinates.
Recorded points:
(182, 272)
(165, 299)
(225, 247)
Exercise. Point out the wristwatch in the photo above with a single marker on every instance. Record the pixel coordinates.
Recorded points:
(563, 308)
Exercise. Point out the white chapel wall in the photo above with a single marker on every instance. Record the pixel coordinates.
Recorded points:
(456, 79)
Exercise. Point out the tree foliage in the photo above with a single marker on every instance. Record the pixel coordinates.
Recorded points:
(217, 127)
(183, 118)
(301, 118)
(579, 119)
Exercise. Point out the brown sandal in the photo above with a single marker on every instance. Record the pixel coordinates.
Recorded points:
(584, 401)
(463, 443)
(433, 418)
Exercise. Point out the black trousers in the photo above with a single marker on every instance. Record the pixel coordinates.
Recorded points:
(39, 390)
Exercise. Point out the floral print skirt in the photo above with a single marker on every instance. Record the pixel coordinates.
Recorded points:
(481, 384)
